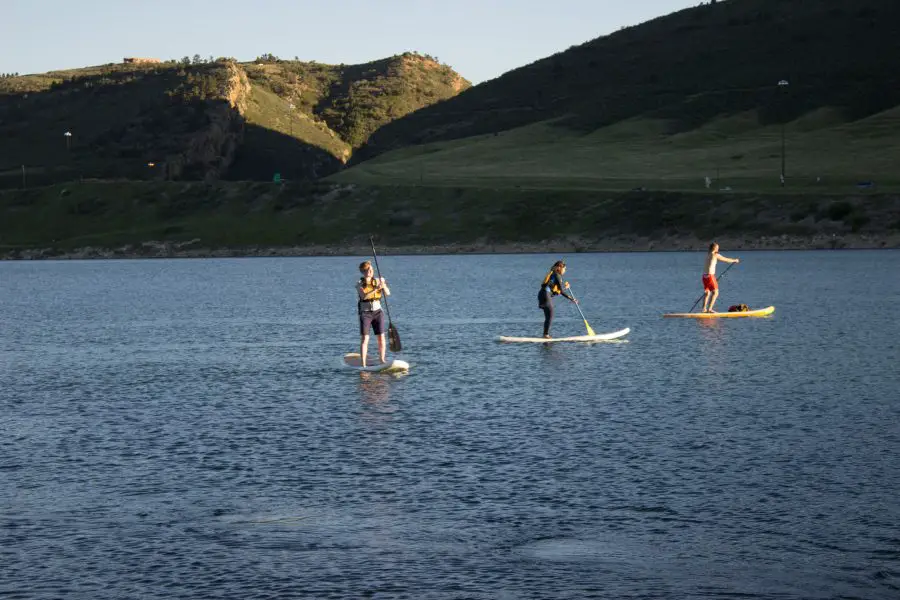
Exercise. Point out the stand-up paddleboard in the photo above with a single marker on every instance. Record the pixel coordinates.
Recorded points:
(352, 361)
(762, 312)
(602, 337)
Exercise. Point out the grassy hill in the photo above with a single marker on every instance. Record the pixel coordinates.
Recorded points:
(355, 100)
(823, 154)
(121, 118)
(671, 101)
(205, 120)
(335, 109)
(607, 145)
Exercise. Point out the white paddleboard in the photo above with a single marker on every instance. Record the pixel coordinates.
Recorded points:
(352, 361)
(578, 338)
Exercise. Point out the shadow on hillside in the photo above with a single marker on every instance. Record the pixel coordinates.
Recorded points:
(265, 152)
(119, 123)
(689, 67)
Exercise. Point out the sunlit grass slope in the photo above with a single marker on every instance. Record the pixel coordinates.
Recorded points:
(822, 154)
(271, 112)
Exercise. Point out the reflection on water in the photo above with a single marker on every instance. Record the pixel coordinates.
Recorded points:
(375, 393)
(711, 330)
(374, 388)
(553, 354)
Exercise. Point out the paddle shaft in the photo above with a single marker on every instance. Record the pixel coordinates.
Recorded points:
(718, 279)
(378, 272)
(583, 318)
(576, 305)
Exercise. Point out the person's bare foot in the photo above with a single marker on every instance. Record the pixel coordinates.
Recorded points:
(547, 336)
(383, 361)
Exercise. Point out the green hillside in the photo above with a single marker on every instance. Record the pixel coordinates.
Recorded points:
(288, 142)
(356, 100)
(205, 120)
(659, 136)
(823, 154)
(163, 218)
(121, 118)
(671, 101)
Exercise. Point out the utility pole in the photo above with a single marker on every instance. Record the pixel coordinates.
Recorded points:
(24, 187)
(291, 116)
(782, 84)
(68, 135)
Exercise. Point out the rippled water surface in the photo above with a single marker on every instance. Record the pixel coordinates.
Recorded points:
(182, 429)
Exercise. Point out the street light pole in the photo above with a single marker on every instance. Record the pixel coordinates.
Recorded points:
(68, 135)
(291, 116)
(782, 155)
(782, 84)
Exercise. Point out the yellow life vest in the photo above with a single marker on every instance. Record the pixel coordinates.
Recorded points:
(368, 288)
(554, 289)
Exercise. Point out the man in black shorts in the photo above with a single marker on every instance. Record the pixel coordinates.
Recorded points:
(370, 291)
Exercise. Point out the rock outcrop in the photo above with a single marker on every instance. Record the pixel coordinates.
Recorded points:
(211, 151)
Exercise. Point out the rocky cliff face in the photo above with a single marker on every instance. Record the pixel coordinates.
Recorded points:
(200, 121)
(210, 152)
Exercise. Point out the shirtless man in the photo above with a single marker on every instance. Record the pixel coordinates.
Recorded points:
(710, 285)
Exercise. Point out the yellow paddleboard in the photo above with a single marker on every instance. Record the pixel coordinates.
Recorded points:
(762, 312)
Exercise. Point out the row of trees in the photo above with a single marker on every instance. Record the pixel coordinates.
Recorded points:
(197, 60)
(421, 55)
(8, 75)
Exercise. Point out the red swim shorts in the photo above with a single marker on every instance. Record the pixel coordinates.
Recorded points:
(709, 283)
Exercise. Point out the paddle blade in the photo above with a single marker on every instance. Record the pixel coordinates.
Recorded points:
(589, 330)
(394, 339)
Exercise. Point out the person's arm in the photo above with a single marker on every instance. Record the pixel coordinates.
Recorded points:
(727, 260)
(384, 287)
(563, 287)
(363, 295)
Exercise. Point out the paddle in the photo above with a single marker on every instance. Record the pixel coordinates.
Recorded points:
(719, 279)
(393, 336)
(589, 330)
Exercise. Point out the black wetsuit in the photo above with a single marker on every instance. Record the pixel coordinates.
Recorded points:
(552, 286)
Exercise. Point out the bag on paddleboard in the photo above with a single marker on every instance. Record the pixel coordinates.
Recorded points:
(738, 308)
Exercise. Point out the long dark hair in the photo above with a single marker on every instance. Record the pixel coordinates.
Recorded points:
(558, 265)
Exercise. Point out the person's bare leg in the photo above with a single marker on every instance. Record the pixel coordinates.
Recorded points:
(712, 302)
(363, 349)
(705, 300)
(381, 348)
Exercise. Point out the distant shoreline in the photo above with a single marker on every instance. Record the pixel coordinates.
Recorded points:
(195, 220)
(733, 243)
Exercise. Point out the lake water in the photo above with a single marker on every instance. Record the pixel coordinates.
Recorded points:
(182, 429)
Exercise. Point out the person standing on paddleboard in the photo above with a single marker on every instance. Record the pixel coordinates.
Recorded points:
(710, 285)
(552, 285)
(370, 291)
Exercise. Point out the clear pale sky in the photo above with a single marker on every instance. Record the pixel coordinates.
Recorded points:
(481, 39)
